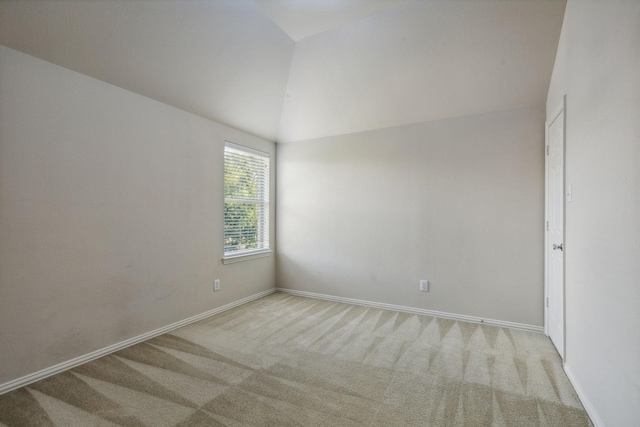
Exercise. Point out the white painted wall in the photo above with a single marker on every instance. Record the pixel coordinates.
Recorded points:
(110, 215)
(598, 67)
(459, 202)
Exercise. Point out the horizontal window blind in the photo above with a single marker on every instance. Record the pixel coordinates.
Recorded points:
(246, 200)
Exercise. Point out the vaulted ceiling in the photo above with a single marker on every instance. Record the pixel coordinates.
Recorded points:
(291, 70)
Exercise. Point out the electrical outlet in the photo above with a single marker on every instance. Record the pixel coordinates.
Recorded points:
(424, 285)
(216, 285)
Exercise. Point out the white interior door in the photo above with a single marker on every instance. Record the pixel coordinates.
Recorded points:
(555, 235)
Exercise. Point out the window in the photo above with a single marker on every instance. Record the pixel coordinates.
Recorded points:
(246, 201)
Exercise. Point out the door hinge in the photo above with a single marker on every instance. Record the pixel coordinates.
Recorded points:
(547, 225)
(547, 302)
(547, 150)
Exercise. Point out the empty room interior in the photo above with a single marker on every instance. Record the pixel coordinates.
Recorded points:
(320, 212)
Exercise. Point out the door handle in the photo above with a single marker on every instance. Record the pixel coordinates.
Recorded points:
(557, 247)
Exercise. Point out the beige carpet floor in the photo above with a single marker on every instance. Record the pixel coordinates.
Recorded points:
(285, 360)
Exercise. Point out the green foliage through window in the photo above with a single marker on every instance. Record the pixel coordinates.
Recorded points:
(246, 203)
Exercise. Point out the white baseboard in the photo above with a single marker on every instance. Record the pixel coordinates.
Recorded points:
(47, 372)
(412, 310)
(588, 406)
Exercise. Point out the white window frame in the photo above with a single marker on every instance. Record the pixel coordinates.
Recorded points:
(262, 246)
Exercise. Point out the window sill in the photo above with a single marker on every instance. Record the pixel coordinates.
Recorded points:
(230, 259)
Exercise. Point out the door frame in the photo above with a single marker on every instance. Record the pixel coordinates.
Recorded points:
(561, 109)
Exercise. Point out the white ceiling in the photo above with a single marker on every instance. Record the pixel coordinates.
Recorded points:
(224, 60)
(304, 18)
(422, 61)
(291, 70)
